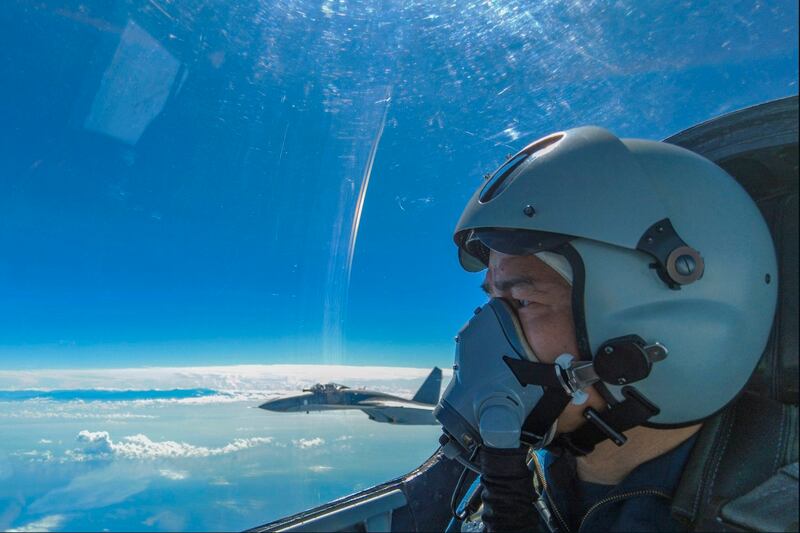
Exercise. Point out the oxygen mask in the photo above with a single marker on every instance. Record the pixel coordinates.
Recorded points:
(501, 395)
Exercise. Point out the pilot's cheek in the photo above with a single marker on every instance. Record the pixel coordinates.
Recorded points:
(550, 335)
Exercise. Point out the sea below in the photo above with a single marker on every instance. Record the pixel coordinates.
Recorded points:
(192, 459)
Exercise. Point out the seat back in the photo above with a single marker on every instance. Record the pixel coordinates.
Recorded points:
(777, 374)
(742, 474)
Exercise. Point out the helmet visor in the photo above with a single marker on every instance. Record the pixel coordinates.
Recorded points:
(474, 245)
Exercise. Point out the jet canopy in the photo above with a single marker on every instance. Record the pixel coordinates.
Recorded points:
(327, 387)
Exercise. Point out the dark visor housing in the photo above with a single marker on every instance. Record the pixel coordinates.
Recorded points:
(474, 245)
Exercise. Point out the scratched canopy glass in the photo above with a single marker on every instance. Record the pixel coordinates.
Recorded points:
(205, 205)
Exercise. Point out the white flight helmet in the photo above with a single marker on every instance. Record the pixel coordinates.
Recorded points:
(666, 250)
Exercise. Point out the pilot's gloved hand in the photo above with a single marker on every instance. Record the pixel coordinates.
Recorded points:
(507, 490)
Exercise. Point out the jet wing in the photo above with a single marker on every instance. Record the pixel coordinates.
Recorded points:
(386, 404)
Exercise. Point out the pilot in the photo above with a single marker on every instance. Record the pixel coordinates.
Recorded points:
(652, 264)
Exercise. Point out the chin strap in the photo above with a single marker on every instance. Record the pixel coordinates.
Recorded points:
(633, 411)
(564, 382)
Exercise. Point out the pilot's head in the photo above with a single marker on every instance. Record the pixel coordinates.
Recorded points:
(639, 250)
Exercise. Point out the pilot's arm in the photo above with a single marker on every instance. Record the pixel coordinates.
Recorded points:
(507, 490)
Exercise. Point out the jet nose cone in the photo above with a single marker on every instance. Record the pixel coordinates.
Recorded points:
(292, 404)
(273, 405)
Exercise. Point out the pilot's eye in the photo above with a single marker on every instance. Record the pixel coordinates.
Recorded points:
(521, 303)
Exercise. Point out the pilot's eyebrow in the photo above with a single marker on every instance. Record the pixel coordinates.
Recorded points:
(506, 285)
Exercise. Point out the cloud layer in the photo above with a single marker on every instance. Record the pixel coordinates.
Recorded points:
(99, 445)
(240, 379)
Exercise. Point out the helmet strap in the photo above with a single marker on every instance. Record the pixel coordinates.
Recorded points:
(560, 385)
(633, 411)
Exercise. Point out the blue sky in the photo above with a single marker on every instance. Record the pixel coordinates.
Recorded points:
(271, 182)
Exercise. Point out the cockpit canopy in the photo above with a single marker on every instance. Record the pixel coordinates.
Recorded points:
(327, 387)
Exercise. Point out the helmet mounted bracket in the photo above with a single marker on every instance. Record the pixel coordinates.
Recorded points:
(677, 263)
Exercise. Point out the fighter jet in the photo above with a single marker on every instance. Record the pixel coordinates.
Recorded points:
(378, 406)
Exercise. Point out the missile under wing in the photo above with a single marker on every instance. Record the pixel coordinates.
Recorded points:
(378, 406)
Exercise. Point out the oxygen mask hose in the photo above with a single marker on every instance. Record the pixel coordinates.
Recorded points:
(507, 490)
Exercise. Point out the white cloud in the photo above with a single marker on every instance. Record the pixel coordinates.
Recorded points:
(174, 475)
(95, 442)
(45, 441)
(304, 444)
(48, 523)
(344, 438)
(320, 468)
(99, 445)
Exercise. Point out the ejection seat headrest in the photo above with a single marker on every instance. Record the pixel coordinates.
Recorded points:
(758, 147)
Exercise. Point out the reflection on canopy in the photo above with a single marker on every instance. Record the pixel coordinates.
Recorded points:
(278, 181)
(134, 87)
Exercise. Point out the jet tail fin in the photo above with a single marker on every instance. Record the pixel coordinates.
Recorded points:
(430, 389)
